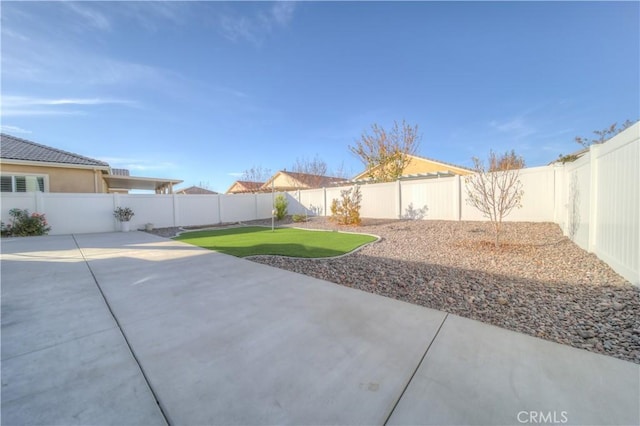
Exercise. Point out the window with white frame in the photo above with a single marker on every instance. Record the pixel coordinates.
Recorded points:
(22, 183)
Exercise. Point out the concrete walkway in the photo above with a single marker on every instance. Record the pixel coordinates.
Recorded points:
(129, 328)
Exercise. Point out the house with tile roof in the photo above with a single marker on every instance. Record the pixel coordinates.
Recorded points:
(244, 187)
(423, 166)
(27, 166)
(291, 181)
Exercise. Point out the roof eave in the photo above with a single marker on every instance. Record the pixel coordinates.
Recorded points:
(105, 168)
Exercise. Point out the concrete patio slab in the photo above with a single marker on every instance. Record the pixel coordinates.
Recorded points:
(222, 340)
(64, 361)
(48, 295)
(92, 380)
(227, 341)
(477, 374)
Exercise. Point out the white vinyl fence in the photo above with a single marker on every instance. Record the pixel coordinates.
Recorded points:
(595, 200)
(84, 213)
(438, 199)
(598, 202)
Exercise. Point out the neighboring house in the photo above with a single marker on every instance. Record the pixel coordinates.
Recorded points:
(27, 166)
(244, 187)
(290, 181)
(424, 166)
(195, 190)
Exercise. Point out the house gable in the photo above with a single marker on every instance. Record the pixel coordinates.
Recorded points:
(243, 187)
(423, 165)
(196, 190)
(288, 181)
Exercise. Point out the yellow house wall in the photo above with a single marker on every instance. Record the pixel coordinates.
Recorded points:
(61, 179)
(284, 182)
(421, 165)
(234, 188)
(417, 166)
(237, 188)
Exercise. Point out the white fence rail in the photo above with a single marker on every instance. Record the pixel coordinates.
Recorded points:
(595, 200)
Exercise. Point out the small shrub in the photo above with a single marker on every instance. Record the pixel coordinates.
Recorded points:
(281, 205)
(334, 210)
(299, 218)
(346, 211)
(123, 214)
(24, 224)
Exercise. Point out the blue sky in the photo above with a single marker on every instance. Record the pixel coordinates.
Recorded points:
(202, 91)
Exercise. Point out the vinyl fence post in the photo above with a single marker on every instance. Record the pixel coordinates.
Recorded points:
(559, 176)
(116, 204)
(324, 201)
(399, 189)
(457, 198)
(594, 150)
(175, 210)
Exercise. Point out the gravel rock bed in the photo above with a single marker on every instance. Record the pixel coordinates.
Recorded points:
(539, 282)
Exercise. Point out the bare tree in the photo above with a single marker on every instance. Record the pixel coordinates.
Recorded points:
(386, 154)
(495, 189)
(256, 174)
(341, 172)
(604, 134)
(315, 169)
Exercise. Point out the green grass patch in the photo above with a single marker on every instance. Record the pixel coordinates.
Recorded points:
(256, 240)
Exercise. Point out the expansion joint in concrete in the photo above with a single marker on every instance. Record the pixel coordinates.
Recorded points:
(415, 371)
(124, 336)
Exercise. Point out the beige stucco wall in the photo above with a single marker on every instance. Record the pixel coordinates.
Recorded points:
(62, 179)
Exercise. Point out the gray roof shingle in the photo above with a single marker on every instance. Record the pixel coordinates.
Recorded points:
(13, 148)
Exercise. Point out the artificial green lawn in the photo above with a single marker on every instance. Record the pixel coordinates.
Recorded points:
(254, 240)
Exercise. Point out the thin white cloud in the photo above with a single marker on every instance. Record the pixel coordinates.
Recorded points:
(154, 15)
(256, 28)
(13, 101)
(516, 127)
(8, 112)
(13, 129)
(148, 166)
(7, 32)
(46, 62)
(282, 12)
(230, 91)
(89, 16)
(137, 164)
(238, 28)
(16, 106)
